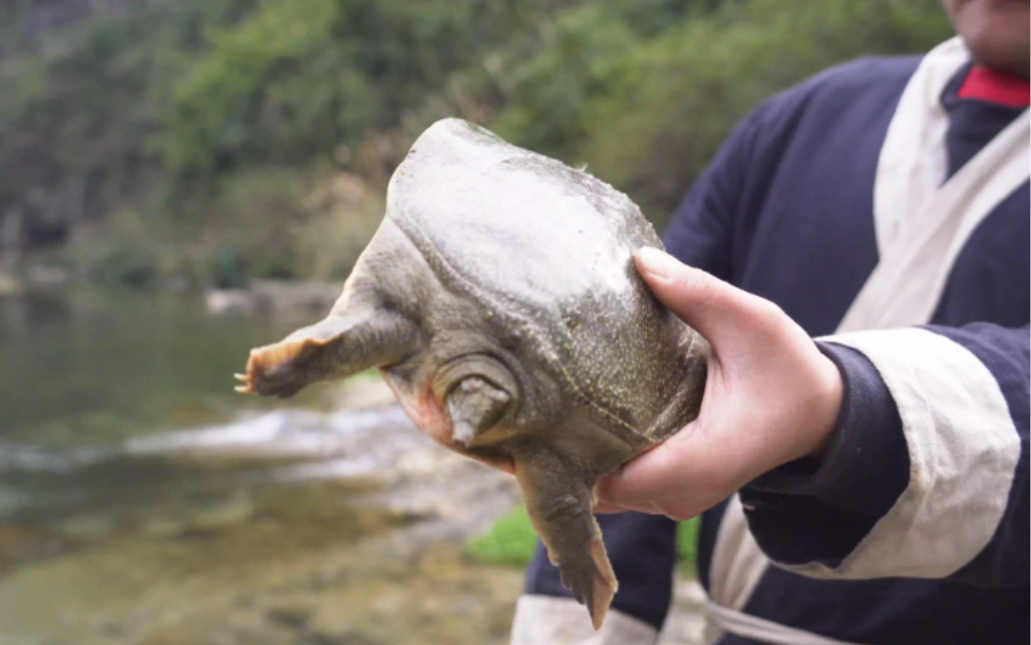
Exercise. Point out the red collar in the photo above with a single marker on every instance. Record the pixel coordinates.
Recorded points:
(996, 87)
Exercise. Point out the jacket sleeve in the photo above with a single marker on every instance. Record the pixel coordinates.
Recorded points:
(927, 472)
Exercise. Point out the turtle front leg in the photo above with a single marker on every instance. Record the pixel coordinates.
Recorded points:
(559, 502)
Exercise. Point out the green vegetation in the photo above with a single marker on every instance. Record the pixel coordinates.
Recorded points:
(511, 541)
(687, 545)
(215, 141)
(676, 97)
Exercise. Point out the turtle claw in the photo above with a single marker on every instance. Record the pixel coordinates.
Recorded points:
(246, 387)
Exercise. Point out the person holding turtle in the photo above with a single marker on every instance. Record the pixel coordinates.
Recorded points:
(871, 486)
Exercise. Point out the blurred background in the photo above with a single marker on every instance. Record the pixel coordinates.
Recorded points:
(181, 180)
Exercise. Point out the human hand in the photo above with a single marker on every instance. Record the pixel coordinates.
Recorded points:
(771, 397)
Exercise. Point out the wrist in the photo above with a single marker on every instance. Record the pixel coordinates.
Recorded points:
(866, 464)
(831, 394)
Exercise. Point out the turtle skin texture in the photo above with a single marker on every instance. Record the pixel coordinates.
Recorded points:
(500, 301)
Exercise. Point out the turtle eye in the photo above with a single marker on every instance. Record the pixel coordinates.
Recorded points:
(474, 405)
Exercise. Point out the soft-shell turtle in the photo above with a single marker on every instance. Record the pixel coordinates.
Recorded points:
(500, 300)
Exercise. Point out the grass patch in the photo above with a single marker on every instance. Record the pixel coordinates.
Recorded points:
(687, 545)
(511, 541)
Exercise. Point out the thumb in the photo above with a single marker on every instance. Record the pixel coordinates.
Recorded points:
(711, 306)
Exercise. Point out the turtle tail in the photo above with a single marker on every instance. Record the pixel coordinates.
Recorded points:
(334, 348)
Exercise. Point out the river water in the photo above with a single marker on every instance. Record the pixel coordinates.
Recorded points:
(142, 501)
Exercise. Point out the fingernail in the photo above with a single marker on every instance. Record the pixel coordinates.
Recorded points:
(656, 263)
